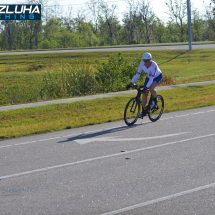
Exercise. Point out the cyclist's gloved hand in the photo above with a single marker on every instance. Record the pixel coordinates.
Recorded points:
(129, 86)
(145, 89)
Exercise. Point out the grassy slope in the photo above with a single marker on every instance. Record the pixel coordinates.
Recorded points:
(25, 72)
(194, 66)
(55, 117)
(185, 67)
(175, 63)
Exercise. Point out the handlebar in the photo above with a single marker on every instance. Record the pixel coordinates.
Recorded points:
(140, 89)
(136, 87)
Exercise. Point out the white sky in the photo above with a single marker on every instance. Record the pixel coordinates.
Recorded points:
(159, 6)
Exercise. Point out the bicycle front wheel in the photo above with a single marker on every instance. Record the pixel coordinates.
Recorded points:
(156, 111)
(132, 111)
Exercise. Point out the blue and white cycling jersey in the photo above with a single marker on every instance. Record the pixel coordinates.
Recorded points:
(152, 72)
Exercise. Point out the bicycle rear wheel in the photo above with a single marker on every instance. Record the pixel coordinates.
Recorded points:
(132, 111)
(156, 111)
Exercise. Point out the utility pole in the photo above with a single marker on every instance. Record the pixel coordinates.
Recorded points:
(189, 24)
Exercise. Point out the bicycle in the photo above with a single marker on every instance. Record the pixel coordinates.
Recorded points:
(132, 109)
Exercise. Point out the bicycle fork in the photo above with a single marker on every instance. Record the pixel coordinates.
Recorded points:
(134, 105)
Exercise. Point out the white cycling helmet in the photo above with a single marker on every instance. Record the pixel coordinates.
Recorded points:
(147, 56)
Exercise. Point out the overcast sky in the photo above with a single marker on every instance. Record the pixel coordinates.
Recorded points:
(159, 7)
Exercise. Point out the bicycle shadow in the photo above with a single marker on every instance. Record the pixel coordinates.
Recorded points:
(99, 133)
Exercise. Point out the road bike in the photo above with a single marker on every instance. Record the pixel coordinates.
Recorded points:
(132, 109)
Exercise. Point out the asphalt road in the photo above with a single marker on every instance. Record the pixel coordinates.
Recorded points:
(166, 167)
(186, 47)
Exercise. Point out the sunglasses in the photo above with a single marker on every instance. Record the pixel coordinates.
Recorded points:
(146, 61)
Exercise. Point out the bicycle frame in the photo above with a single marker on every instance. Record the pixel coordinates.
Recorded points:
(139, 92)
(133, 107)
(133, 110)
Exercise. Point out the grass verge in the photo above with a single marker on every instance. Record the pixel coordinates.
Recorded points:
(22, 76)
(28, 121)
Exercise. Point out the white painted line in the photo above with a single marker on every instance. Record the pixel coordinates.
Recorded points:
(18, 144)
(188, 114)
(160, 199)
(113, 127)
(183, 115)
(89, 132)
(102, 157)
(111, 139)
(197, 113)
(210, 111)
(71, 135)
(36, 141)
(53, 138)
(167, 118)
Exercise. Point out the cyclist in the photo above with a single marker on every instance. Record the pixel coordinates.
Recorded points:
(153, 78)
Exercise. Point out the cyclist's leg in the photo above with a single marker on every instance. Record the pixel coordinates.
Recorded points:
(145, 95)
(144, 98)
(153, 85)
(153, 90)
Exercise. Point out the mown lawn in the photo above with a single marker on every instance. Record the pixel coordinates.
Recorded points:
(28, 121)
(21, 75)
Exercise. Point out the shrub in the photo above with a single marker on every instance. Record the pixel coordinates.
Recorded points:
(167, 80)
(116, 73)
(72, 81)
(68, 83)
(46, 44)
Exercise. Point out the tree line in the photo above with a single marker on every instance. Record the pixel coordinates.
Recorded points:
(99, 25)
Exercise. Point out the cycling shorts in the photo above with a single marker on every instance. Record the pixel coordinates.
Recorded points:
(156, 80)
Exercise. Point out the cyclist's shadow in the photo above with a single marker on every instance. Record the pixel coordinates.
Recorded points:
(99, 133)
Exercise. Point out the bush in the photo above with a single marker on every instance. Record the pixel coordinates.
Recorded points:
(108, 77)
(46, 44)
(116, 73)
(167, 80)
(67, 83)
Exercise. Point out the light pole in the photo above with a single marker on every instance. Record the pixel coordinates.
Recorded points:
(189, 24)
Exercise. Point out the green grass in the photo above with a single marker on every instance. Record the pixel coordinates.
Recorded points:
(21, 75)
(194, 66)
(17, 88)
(172, 62)
(28, 121)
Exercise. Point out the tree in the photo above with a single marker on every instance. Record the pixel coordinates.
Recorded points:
(147, 16)
(86, 35)
(138, 21)
(68, 18)
(111, 22)
(81, 16)
(132, 22)
(37, 28)
(9, 27)
(95, 8)
(178, 13)
(18, 36)
(213, 7)
(197, 26)
(159, 31)
(51, 28)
